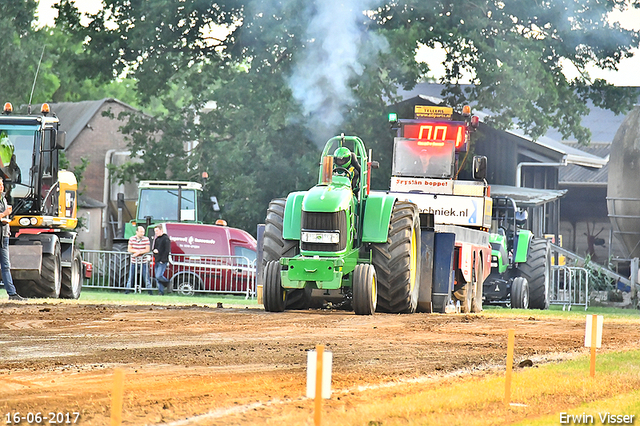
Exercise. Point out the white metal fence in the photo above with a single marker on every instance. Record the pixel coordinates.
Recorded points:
(569, 286)
(187, 274)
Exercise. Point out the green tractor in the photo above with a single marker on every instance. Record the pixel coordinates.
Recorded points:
(339, 239)
(520, 263)
(158, 202)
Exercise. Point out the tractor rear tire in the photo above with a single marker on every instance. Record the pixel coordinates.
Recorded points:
(71, 284)
(48, 285)
(275, 247)
(364, 289)
(396, 262)
(274, 294)
(520, 293)
(537, 272)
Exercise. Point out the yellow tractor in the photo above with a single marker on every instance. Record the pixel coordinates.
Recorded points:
(45, 259)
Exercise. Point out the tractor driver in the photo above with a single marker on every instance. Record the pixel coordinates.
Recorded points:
(343, 158)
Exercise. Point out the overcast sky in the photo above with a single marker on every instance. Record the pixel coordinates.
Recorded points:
(627, 75)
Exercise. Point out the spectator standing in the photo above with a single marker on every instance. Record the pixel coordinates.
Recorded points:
(161, 250)
(139, 247)
(5, 264)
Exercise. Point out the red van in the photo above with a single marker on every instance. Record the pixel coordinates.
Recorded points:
(211, 258)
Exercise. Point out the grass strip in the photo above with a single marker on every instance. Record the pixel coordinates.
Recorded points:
(542, 394)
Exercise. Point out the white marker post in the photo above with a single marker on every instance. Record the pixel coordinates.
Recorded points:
(593, 337)
(319, 378)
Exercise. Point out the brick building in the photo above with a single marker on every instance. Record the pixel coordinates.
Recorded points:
(95, 136)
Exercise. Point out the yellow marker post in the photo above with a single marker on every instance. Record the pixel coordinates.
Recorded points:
(319, 361)
(116, 403)
(507, 381)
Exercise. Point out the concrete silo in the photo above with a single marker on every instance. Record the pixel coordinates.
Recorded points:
(623, 188)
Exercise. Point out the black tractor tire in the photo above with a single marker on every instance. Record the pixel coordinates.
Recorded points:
(48, 285)
(119, 265)
(537, 271)
(275, 247)
(478, 282)
(273, 294)
(397, 261)
(71, 284)
(185, 284)
(520, 293)
(364, 289)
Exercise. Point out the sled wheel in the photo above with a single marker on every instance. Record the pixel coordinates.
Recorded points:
(364, 289)
(273, 295)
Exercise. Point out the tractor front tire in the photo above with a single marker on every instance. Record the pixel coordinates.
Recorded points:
(396, 262)
(364, 289)
(520, 293)
(274, 294)
(275, 247)
(71, 284)
(537, 271)
(48, 285)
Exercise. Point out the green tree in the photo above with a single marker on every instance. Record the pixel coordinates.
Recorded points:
(514, 51)
(20, 51)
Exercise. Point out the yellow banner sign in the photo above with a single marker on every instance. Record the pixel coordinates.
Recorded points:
(423, 111)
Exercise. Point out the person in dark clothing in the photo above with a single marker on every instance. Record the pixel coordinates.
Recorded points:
(344, 159)
(5, 264)
(161, 250)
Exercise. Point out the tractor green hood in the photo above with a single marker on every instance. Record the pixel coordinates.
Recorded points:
(328, 198)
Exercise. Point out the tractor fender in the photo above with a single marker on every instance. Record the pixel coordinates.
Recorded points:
(521, 245)
(293, 216)
(377, 216)
(48, 241)
(67, 247)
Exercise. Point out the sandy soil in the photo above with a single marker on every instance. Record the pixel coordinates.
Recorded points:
(208, 365)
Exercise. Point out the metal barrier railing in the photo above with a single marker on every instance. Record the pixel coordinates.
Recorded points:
(569, 286)
(218, 274)
(188, 274)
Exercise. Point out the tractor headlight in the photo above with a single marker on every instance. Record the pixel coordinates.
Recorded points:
(34, 221)
(24, 221)
(320, 237)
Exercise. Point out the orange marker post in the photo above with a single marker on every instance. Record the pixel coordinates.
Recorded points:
(507, 381)
(116, 403)
(593, 338)
(317, 418)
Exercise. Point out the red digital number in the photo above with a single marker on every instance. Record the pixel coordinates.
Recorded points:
(436, 132)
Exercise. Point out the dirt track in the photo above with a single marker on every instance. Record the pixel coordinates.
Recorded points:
(245, 366)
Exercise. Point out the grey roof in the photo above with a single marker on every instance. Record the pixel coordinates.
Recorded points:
(89, 203)
(572, 154)
(74, 116)
(576, 175)
(602, 123)
(527, 197)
